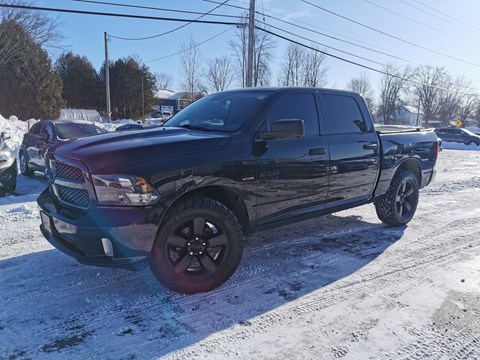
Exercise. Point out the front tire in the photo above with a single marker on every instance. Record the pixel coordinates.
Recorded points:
(472, 143)
(398, 205)
(24, 168)
(198, 247)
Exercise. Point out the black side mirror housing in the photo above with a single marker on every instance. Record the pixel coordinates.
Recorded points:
(284, 129)
(5, 136)
(42, 137)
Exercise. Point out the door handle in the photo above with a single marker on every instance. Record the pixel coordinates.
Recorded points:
(319, 151)
(370, 146)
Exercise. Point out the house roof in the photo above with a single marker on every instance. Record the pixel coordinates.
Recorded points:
(412, 109)
(164, 94)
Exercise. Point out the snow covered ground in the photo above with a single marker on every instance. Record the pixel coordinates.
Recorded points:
(340, 286)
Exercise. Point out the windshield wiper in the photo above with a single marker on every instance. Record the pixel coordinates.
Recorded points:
(195, 127)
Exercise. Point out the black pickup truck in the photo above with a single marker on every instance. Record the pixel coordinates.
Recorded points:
(183, 196)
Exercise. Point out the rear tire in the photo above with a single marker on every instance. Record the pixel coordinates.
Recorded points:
(398, 205)
(198, 246)
(24, 168)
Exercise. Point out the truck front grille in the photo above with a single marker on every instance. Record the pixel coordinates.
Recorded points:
(77, 197)
(68, 172)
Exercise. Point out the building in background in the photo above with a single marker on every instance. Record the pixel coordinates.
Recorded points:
(80, 114)
(407, 115)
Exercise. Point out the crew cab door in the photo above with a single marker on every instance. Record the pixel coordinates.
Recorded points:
(292, 175)
(354, 149)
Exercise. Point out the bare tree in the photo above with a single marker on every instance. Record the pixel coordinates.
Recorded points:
(470, 104)
(262, 54)
(190, 72)
(291, 69)
(426, 90)
(391, 86)
(163, 80)
(40, 25)
(315, 71)
(451, 98)
(361, 85)
(220, 73)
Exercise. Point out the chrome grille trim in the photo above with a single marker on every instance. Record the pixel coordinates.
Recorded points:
(77, 197)
(66, 171)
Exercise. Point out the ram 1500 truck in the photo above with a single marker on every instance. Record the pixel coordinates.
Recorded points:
(183, 196)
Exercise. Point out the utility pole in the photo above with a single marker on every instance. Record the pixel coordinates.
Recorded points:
(251, 43)
(107, 79)
(143, 103)
(418, 112)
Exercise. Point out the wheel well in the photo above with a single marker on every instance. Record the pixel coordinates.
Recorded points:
(412, 166)
(226, 197)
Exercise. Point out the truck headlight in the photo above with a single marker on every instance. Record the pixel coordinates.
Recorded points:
(6, 155)
(124, 190)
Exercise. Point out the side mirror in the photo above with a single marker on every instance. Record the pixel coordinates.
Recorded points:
(42, 137)
(284, 129)
(5, 136)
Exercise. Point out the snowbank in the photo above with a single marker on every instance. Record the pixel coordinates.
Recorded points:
(15, 128)
(458, 146)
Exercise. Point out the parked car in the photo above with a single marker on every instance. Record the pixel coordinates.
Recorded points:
(137, 126)
(182, 197)
(459, 135)
(47, 133)
(8, 166)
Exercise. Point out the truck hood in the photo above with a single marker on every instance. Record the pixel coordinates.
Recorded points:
(116, 151)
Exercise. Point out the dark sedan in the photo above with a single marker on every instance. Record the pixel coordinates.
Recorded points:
(8, 167)
(47, 133)
(459, 135)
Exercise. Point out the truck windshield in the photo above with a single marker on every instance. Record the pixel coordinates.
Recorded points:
(223, 112)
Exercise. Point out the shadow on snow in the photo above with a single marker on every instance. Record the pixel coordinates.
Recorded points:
(65, 307)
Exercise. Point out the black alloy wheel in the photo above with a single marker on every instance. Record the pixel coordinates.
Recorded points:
(405, 199)
(198, 246)
(398, 205)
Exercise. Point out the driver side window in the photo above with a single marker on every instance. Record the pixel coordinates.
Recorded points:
(49, 131)
(294, 106)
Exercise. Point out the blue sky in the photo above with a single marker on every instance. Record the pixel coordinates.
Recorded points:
(446, 37)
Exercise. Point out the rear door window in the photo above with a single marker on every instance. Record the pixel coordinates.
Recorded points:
(343, 115)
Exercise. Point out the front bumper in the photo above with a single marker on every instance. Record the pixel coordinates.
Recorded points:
(8, 176)
(130, 233)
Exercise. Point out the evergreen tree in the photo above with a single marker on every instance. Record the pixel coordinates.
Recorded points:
(31, 88)
(81, 83)
(128, 101)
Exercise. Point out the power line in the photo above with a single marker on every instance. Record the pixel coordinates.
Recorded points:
(316, 42)
(264, 14)
(191, 47)
(416, 21)
(448, 16)
(143, 17)
(435, 16)
(389, 35)
(153, 8)
(229, 5)
(336, 38)
(362, 65)
(172, 30)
